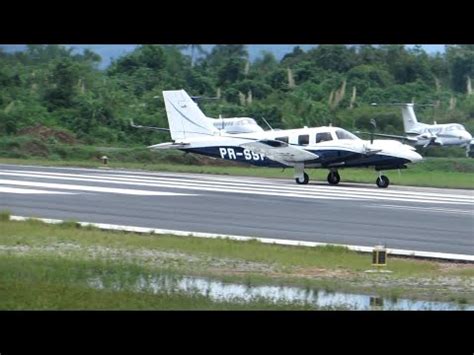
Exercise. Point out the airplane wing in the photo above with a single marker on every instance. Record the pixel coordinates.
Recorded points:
(280, 151)
(394, 136)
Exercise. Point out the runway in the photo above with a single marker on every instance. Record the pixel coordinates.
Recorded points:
(427, 219)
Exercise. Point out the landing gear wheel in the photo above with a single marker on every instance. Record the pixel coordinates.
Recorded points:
(383, 181)
(304, 181)
(334, 178)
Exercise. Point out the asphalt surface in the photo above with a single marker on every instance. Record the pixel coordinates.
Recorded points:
(422, 219)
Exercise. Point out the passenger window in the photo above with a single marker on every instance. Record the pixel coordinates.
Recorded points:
(323, 136)
(303, 140)
(282, 139)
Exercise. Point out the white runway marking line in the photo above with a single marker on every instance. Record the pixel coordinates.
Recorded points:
(334, 191)
(239, 179)
(320, 192)
(168, 185)
(358, 248)
(92, 188)
(17, 190)
(425, 209)
(244, 184)
(307, 188)
(307, 191)
(245, 180)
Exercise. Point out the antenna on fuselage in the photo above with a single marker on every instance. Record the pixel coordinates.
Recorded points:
(268, 124)
(222, 122)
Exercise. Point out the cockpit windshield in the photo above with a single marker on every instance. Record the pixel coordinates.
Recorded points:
(343, 134)
(456, 127)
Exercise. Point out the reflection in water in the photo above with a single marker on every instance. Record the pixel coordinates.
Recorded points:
(220, 291)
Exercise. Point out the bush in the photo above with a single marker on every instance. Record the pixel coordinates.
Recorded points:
(5, 215)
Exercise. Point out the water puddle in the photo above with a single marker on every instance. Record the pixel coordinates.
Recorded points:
(232, 292)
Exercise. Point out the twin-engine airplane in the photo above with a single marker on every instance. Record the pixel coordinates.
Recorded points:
(422, 134)
(323, 147)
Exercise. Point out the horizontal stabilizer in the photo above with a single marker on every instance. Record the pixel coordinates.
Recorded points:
(151, 128)
(168, 145)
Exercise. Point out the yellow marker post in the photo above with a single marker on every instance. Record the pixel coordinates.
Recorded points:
(379, 256)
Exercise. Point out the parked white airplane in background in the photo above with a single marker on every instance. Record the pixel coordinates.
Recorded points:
(230, 125)
(422, 134)
(322, 147)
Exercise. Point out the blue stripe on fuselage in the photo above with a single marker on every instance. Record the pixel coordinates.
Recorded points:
(326, 157)
(236, 154)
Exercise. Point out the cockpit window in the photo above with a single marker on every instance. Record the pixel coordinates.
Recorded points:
(456, 127)
(343, 134)
(282, 139)
(303, 139)
(323, 136)
(247, 121)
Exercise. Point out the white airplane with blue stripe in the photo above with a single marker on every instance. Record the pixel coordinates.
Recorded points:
(329, 148)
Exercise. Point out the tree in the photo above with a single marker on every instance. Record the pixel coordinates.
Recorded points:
(151, 56)
(231, 71)
(333, 57)
(460, 65)
(64, 76)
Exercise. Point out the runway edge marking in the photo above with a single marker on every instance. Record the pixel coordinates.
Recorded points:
(357, 248)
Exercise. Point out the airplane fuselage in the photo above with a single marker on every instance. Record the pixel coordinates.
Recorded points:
(449, 134)
(333, 147)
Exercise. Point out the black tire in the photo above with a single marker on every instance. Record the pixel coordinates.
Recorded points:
(383, 182)
(334, 178)
(305, 180)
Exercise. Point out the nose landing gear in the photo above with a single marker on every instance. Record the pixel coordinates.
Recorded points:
(302, 181)
(301, 177)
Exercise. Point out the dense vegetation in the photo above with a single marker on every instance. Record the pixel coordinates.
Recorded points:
(66, 93)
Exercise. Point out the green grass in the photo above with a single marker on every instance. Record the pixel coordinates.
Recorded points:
(34, 233)
(52, 283)
(5, 215)
(45, 266)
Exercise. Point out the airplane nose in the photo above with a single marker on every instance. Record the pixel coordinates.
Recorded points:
(414, 157)
(467, 136)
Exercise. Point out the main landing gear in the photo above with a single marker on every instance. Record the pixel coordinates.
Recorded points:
(333, 177)
(382, 181)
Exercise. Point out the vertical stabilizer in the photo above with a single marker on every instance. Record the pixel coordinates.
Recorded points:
(185, 118)
(409, 119)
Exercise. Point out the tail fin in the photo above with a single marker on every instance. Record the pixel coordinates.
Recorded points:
(185, 118)
(409, 118)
